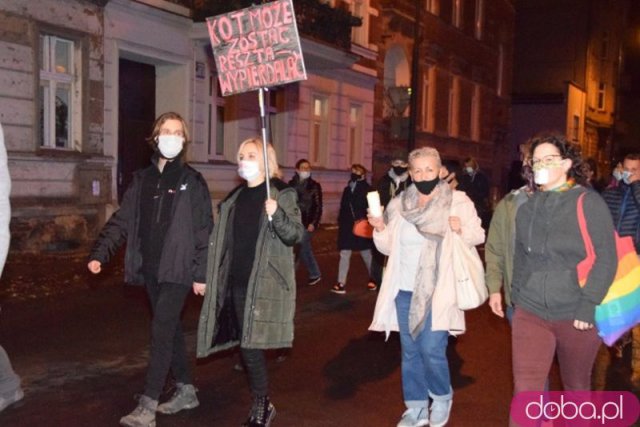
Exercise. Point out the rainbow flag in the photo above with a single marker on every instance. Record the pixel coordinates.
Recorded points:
(620, 309)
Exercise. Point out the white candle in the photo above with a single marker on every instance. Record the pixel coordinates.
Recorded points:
(375, 209)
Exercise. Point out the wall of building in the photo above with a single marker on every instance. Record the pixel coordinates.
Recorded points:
(51, 205)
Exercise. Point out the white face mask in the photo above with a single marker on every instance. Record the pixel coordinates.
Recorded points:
(469, 170)
(304, 174)
(170, 145)
(541, 176)
(626, 177)
(617, 175)
(248, 169)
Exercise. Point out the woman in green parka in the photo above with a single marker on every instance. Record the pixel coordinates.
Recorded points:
(250, 290)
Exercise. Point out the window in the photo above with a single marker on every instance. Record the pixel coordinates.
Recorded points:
(274, 107)
(575, 129)
(355, 134)
(216, 104)
(60, 93)
(454, 106)
(475, 113)
(319, 129)
(479, 18)
(601, 97)
(432, 6)
(428, 98)
(457, 15)
(360, 35)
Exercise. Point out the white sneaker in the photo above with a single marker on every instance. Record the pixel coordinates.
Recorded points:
(440, 410)
(414, 417)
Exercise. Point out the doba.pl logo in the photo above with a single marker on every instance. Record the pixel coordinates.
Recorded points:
(575, 409)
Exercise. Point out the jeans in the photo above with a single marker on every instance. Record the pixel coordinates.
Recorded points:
(168, 350)
(535, 341)
(425, 368)
(345, 260)
(307, 257)
(9, 381)
(253, 358)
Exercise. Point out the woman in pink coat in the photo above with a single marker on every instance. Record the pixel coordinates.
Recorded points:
(417, 297)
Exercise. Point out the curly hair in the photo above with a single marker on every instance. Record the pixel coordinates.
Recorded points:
(567, 150)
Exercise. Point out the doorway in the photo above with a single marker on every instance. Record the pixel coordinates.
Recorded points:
(136, 114)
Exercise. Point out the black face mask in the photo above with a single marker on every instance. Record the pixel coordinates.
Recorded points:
(355, 176)
(426, 187)
(399, 170)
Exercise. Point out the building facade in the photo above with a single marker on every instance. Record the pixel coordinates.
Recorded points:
(82, 81)
(462, 84)
(567, 72)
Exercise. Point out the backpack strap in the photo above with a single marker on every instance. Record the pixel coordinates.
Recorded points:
(585, 265)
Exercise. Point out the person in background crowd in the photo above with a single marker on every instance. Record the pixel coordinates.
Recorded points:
(310, 203)
(250, 289)
(353, 207)
(10, 389)
(616, 176)
(449, 173)
(476, 184)
(591, 175)
(553, 314)
(394, 182)
(624, 204)
(413, 298)
(499, 248)
(165, 218)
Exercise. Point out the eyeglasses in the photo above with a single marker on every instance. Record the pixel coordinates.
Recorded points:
(168, 132)
(545, 161)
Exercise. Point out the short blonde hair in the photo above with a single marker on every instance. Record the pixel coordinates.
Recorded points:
(424, 152)
(274, 168)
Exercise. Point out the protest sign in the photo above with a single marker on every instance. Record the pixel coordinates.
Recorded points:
(256, 47)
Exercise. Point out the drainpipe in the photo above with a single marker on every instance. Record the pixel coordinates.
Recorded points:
(415, 68)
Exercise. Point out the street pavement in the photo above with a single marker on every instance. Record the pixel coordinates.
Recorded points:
(80, 344)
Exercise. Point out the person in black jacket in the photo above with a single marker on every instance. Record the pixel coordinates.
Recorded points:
(395, 181)
(310, 204)
(353, 206)
(476, 184)
(165, 218)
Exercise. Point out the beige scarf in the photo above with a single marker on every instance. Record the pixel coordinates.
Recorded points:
(431, 221)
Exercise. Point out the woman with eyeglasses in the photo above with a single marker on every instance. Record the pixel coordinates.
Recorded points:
(165, 219)
(553, 315)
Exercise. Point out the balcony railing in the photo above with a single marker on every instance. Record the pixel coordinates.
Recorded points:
(316, 20)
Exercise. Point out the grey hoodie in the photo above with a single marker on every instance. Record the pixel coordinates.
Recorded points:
(549, 246)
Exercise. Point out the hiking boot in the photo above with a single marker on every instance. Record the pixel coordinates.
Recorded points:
(262, 413)
(183, 398)
(440, 410)
(143, 416)
(314, 280)
(372, 285)
(11, 398)
(339, 288)
(414, 417)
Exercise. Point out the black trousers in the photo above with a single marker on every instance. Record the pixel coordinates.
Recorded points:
(253, 358)
(168, 350)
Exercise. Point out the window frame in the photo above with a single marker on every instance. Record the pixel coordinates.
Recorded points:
(321, 145)
(428, 99)
(601, 96)
(360, 35)
(355, 144)
(48, 83)
(479, 19)
(453, 128)
(457, 14)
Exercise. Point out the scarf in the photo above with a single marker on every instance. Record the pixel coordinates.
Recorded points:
(431, 221)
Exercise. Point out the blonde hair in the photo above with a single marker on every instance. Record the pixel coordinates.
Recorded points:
(274, 169)
(424, 152)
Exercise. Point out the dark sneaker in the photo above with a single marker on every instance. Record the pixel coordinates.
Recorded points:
(338, 288)
(314, 280)
(143, 416)
(262, 413)
(372, 286)
(11, 398)
(183, 398)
